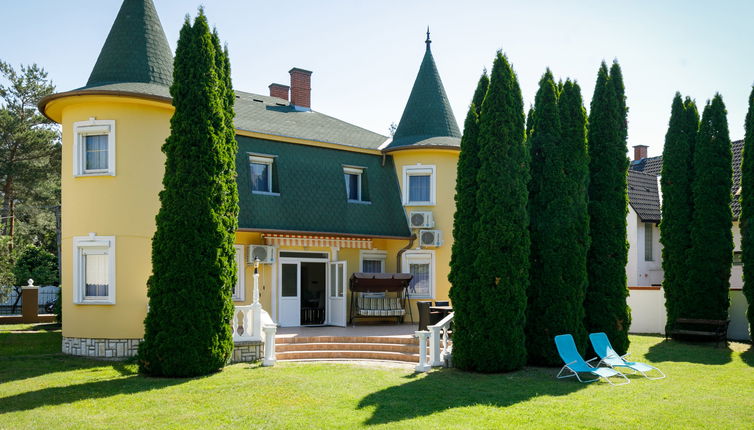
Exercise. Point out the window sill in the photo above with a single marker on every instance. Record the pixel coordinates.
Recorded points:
(87, 174)
(360, 202)
(95, 302)
(419, 204)
(265, 193)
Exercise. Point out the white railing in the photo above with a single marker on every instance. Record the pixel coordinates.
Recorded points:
(253, 321)
(439, 345)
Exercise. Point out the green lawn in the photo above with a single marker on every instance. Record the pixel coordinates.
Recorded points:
(41, 388)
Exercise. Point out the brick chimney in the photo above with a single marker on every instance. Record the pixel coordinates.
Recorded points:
(301, 87)
(640, 152)
(279, 91)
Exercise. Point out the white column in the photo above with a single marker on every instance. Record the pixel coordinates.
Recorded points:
(256, 307)
(434, 346)
(422, 366)
(269, 345)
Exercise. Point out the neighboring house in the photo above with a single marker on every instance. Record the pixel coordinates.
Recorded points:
(320, 198)
(644, 269)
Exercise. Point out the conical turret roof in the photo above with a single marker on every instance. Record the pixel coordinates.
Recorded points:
(427, 120)
(136, 50)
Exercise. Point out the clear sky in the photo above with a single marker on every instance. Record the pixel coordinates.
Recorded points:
(365, 54)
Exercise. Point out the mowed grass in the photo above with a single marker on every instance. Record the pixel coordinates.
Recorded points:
(706, 387)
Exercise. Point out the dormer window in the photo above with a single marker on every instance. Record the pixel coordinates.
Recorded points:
(94, 148)
(261, 174)
(353, 177)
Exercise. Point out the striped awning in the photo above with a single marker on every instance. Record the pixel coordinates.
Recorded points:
(317, 241)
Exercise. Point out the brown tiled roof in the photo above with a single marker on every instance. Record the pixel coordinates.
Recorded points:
(650, 165)
(644, 196)
(653, 165)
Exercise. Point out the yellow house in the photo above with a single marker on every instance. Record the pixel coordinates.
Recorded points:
(320, 198)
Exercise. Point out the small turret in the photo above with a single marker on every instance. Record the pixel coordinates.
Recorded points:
(427, 120)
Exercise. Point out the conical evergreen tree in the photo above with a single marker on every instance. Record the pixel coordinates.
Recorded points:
(187, 329)
(677, 205)
(746, 219)
(462, 276)
(502, 233)
(711, 253)
(559, 223)
(605, 304)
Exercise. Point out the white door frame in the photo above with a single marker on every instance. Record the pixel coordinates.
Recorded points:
(297, 260)
(337, 293)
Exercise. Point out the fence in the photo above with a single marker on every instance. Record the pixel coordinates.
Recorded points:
(46, 294)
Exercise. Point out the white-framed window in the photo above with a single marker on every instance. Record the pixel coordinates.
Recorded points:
(239, 290)
(261, 174)
(94, 148)
(94, 270)
(372, 261)
(421, 264)
(353, 176)
(648, 239)
(419, 185)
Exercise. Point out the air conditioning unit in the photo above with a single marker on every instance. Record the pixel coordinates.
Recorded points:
(430, 238)
(421, 219)
(265, 254)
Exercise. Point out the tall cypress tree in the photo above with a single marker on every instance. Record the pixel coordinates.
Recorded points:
(605, 303)
(747, 211)
(559, 222)
(502, 233)
(677, 205)
(187, 329)
(462, 276)
(711, 253)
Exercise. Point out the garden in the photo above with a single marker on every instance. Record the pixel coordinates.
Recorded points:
(706, 387)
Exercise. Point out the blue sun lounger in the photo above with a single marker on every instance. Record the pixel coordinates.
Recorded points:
(609, 357)
(575, 364)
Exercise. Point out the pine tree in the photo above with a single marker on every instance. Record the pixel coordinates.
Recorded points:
(559, 221)
(677, 205)
(502, 233)
(187, 329)
(462, 275)
(711, 253)
(605, 304)
(747, 211)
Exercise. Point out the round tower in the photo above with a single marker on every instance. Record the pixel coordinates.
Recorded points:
(425, 149)
(112, 167)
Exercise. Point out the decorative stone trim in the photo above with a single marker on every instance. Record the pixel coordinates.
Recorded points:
(100, 348)
(247, 351)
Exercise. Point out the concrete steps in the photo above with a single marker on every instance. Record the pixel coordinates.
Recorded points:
(390, 348)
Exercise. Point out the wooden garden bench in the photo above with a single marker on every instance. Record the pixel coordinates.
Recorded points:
(716, 330)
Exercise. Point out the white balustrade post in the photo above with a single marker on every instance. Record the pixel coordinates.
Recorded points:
(434, 346)
(234, 323)
(256, 307)
(269, 345)
(422, 366)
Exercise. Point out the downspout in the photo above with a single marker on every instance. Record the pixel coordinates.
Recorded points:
(404, 249)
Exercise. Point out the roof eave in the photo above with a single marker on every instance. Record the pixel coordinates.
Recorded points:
(42, 105)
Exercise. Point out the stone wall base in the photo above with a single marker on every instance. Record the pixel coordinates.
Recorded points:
(243, 352)
(247, 351)
(100, 348)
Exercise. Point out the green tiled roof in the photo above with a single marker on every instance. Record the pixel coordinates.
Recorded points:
(312, 193)
(136, 50)
(428, 114)
(275, 116)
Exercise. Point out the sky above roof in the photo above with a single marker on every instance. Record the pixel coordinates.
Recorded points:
(365, 55)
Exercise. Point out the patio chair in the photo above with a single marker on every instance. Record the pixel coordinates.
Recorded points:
(609, 357)
(442, 303)
(426, 318)
(576, 364)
